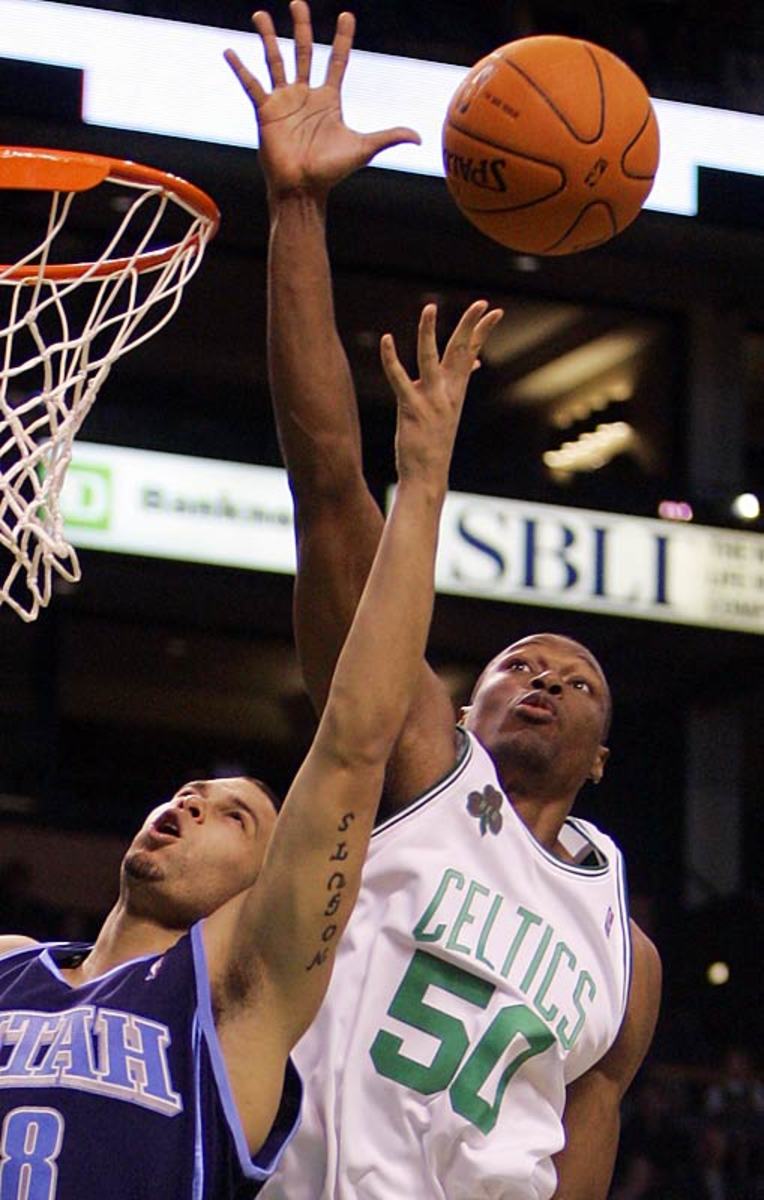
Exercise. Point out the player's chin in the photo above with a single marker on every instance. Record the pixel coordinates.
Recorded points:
(142, 866)
(529, 723)
(532, 745)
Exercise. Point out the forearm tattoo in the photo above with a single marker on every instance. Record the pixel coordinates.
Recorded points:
(335, 885)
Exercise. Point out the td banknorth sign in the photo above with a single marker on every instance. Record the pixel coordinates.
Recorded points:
(236, 515)
(173, 506)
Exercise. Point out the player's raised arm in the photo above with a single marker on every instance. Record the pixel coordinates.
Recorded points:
(306, 149)
(270, 955)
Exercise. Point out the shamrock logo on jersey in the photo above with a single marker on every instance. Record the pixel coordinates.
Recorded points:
(485, 806)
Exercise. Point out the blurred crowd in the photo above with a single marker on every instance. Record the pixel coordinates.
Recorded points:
(693, 1135)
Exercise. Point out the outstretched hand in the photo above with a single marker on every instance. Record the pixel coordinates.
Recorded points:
(304, 141)
(429, 407)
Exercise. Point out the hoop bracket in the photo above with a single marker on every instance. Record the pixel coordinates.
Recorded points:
(36, 170)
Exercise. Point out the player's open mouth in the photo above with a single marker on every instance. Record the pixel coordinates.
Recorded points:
(166, 828)
(538, 707)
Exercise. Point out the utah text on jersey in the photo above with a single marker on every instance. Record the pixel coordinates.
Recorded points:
(97, 1050)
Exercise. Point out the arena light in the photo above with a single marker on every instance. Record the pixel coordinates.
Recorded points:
(604, 360)
(717, 974)
(746, 507)
(168, 77)
(593, 449)
(615, 387)
(675, 510)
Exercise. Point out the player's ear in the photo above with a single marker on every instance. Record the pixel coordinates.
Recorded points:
(598, 766)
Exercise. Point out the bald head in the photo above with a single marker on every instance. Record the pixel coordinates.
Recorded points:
(569, 645)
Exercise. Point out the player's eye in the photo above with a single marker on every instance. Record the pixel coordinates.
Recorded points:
(517, 664)
(237, 816)
(582, 685)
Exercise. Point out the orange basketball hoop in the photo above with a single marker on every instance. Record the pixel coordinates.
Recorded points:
(62, 326)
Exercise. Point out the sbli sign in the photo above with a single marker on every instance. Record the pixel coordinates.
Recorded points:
(601, 562)
(238, 515)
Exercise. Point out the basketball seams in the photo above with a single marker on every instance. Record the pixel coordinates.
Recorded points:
(557, 111)
(601, 86)
(510, 208)
(579, 218)
(542, 162)
(484, 141)
(521, 163)
(633, 142)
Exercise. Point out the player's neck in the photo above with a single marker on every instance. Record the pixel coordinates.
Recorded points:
(122, 937)
(543, 815)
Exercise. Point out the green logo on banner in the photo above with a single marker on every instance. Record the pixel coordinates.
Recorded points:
(87, 496)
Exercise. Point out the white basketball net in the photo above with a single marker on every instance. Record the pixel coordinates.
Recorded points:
(58, 341)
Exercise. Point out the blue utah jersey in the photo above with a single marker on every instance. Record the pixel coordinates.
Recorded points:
(118, 1088)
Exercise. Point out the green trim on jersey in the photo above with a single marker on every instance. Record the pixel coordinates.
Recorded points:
(581, 870)
(463, 759)
(623, 916)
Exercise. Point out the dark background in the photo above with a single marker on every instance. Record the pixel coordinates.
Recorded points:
(148, 673)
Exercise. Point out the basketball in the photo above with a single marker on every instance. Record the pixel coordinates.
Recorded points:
(550, 145)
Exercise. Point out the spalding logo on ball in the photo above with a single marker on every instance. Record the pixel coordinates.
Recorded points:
(550, 145)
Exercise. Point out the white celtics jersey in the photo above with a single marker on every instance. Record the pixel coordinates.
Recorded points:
(479, 975)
